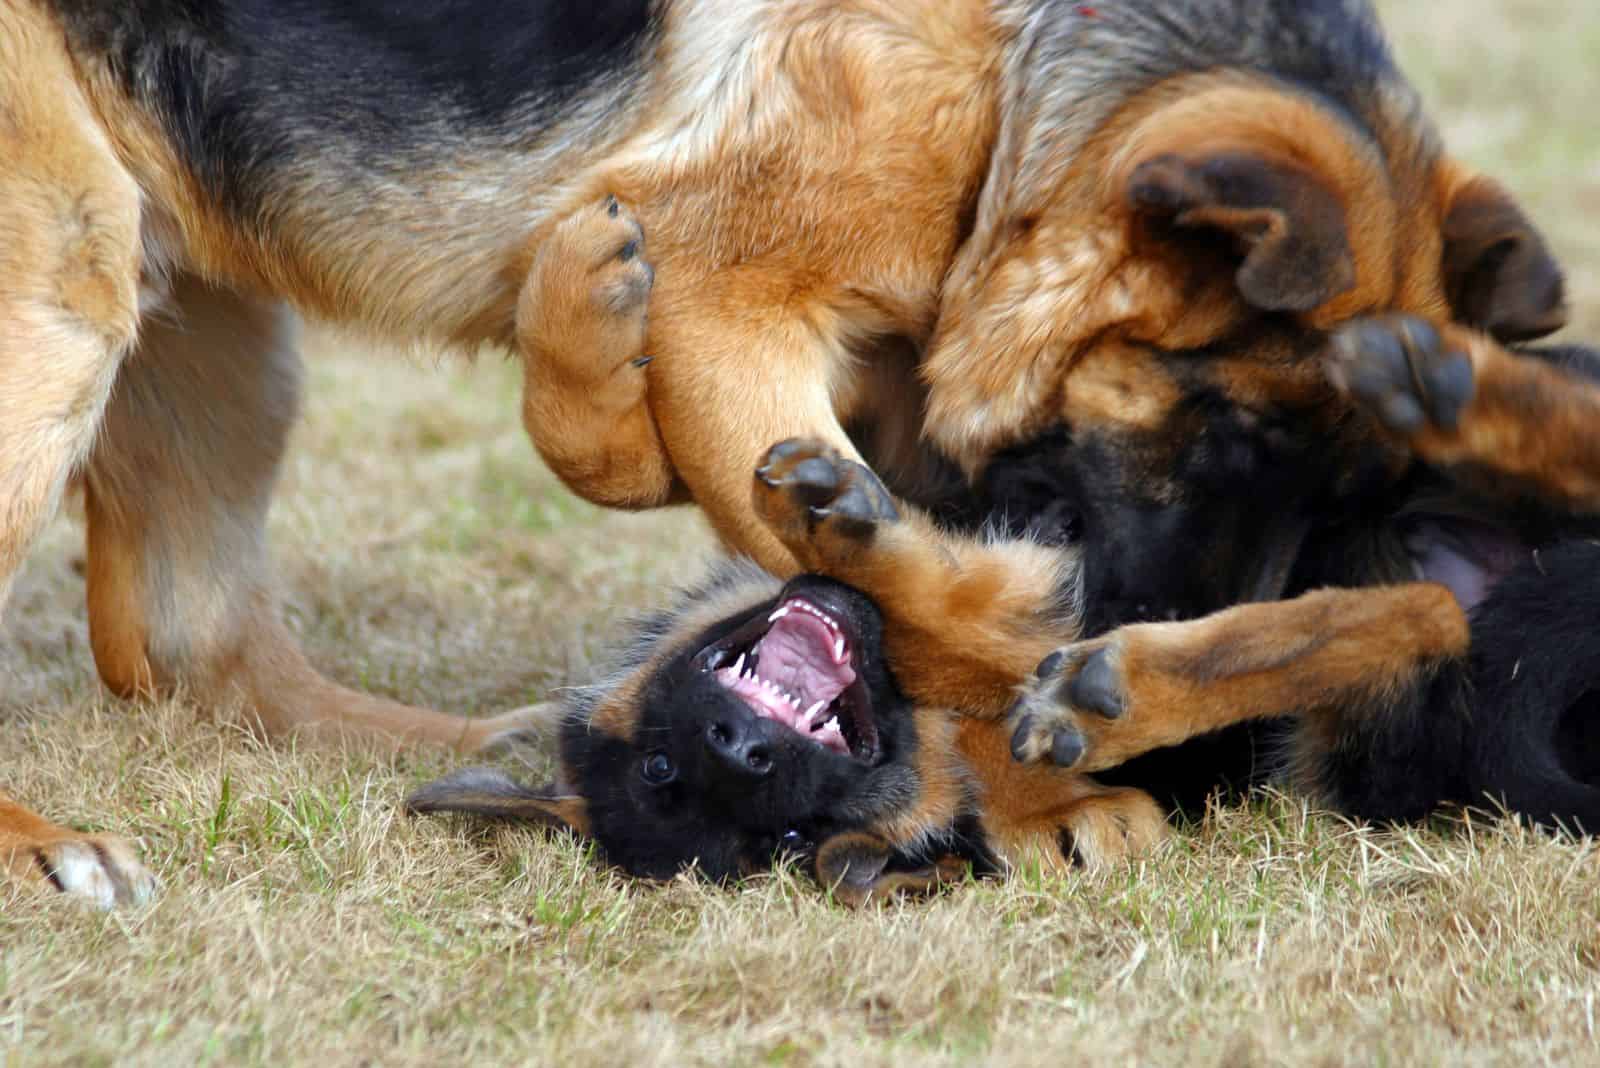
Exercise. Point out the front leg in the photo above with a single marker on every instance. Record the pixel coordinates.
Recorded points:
(1099, 703)
(1465, 403)
(582, 322)
(735, 370)
(101, 869)
(965, 620)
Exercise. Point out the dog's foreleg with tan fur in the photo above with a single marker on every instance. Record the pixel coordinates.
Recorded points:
(964, 619)
(1464, 403)
(102, 868)
(581, 330)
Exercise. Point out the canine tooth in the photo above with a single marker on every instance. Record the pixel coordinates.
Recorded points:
(811, 713)
(838, 648)
(778, 613)
(833, 723)
(738, 668)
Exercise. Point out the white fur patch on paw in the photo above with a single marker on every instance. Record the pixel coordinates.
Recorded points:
(104, 872)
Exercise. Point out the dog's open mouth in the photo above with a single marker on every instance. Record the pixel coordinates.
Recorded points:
(797, 667)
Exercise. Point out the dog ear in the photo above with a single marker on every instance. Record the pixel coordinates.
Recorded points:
(1498, 272)
(1288, 224)
(493, 793)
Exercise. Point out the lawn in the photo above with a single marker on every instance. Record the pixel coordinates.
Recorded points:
(429, 557)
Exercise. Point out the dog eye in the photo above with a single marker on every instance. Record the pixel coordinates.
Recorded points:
(793, 842)
(658, 769)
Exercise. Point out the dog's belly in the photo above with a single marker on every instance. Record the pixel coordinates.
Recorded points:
(1468, 557)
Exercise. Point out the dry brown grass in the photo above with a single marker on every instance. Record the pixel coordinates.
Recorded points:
(305, 919)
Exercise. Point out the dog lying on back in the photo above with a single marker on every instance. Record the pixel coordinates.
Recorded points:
(859, 722)
(867, 718)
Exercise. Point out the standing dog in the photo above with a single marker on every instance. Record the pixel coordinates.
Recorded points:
(1018, 186)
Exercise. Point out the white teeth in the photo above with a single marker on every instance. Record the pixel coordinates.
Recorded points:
(738, 668)
(833, 723)
(838, 649)
(781, 611)
(813, 712)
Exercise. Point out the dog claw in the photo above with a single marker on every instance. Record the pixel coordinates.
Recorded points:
(1021, 736)
(1050, 665)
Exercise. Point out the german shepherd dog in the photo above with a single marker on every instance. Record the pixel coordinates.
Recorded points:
(857, 718)
(1435, 640)
(856, 721)
(1014, 187)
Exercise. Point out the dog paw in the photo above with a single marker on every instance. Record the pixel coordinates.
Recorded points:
(805, 488)
(1076, 695)
(589, 298)
(100, 869)
(855, 868)
(1401, 369)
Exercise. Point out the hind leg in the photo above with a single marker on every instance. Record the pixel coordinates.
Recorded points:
(180, 588)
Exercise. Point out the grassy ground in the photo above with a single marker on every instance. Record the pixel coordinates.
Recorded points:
(304, 918)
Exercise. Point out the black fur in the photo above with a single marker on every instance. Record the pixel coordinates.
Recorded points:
(247, 88)
(710, 813)
(1516, 723)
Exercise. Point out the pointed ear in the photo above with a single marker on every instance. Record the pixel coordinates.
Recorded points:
(493, 793)
(1289, 226)
(1498, 272)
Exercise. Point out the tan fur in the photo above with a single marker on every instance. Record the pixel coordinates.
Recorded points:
(101, 868)
(1258, 661)
(1066, 278)
(965, 624)
(806, 174)
(963, 620)
(1527, 420)
(1026, 808)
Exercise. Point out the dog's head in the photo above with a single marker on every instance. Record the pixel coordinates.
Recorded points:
(750, 718)
(1176, 219)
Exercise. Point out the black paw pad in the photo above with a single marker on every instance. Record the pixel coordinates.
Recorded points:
(867, 498)
(1450, 387)
(1097, 688)
(1050, 664)
(815, 481)
(1019, 737)
(1066, 747)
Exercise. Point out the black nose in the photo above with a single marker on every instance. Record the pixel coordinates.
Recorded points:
(738, 746)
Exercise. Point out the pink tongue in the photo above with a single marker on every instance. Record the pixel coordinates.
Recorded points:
(797, 655)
